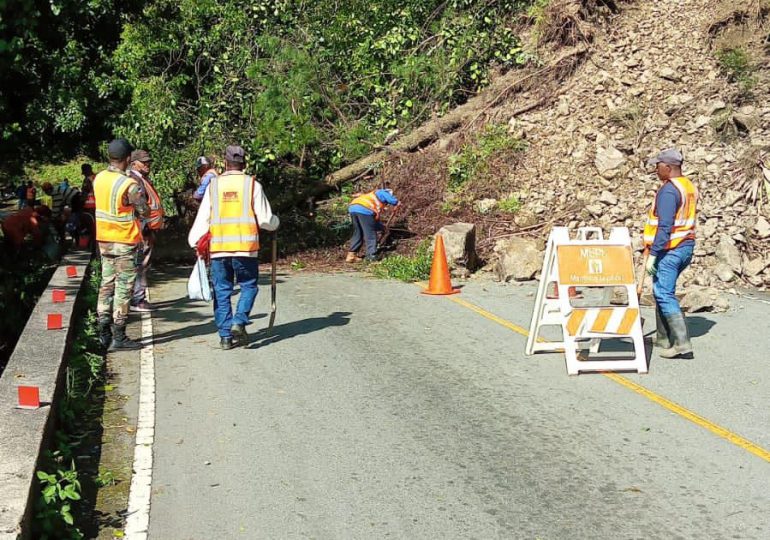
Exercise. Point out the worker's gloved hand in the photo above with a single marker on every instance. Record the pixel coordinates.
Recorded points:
(652, 265)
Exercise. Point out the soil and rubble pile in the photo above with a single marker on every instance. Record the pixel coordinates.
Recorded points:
(653, 78)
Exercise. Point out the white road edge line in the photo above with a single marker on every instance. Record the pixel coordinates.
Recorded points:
(138, 515)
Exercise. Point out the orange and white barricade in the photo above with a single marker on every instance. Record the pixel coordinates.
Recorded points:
(596, 263)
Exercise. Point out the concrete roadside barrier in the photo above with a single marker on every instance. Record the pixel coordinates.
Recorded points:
(38, 360)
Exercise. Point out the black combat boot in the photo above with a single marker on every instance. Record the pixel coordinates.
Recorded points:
(662, 332)
(682, 348)
(105, 332)
(120, 342)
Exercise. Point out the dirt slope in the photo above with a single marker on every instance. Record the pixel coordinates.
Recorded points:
(652, 79)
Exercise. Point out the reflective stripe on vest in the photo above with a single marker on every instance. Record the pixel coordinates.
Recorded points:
(233, 223)
(115, 221)
(685, 219)
(155, 221)
(370, 201)
(90, 202)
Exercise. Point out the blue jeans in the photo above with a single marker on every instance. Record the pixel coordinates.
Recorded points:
(670, 264)
(225, 271)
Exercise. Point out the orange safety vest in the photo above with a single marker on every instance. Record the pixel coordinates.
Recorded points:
(90, 202)
(155, 221)
(370, 201)
(115, 220)
(233, 223)
(684, 221)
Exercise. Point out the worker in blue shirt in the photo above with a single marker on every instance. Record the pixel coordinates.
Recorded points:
(669, 236)
(365, 214)
(206, 172)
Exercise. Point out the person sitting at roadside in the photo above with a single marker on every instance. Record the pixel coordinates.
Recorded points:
(28, 221)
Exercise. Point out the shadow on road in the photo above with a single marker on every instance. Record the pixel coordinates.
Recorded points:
(699, 326)
(297, 328)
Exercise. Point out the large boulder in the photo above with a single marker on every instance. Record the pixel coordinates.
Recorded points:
(460, 245)
(608, 161)
(728, 253)
(519, 259)
(698, 299)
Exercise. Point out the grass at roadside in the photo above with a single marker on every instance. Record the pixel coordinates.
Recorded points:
(414, 268)
(66, 485)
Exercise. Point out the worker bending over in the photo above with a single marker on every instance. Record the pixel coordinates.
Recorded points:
(365, 214)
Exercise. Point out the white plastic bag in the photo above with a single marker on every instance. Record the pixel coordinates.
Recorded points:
(198, 287)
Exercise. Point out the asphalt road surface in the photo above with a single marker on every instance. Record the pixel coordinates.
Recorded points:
(372, 411)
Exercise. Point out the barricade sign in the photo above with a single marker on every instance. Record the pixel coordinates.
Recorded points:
(599, 264)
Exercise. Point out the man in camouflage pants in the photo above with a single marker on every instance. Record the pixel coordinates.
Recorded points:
(119, 207)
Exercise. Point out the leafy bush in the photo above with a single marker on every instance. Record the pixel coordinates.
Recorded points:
(473, 160)
(738, 66)
(404, 268)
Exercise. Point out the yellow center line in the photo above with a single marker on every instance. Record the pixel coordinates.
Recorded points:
(639, 389)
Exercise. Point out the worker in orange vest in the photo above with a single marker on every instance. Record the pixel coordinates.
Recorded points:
(669, 235)
(141, 163)
(119, 208)
(365, 212)
(233, 210)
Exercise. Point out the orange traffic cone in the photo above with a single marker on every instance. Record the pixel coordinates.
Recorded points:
(440, 282)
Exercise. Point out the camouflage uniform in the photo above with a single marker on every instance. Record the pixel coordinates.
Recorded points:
(118, 275)
(119, 267)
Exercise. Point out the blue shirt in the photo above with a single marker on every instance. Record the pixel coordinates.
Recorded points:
(667, 203)
(383, 195)
(201, 191)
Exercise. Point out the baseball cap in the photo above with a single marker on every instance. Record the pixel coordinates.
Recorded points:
(141, 155)
(201, 162)
(235, 154)
(671, 156)
(119, 149)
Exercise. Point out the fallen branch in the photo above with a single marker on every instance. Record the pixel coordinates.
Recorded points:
(463, 115)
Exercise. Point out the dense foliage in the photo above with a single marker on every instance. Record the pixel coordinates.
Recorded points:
(304, 85)
(56, 73)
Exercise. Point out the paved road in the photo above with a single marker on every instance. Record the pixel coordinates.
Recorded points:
(372, 411)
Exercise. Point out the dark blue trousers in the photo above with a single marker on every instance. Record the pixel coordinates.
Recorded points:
(364, 230)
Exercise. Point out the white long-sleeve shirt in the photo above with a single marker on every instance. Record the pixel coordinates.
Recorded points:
(265, 219)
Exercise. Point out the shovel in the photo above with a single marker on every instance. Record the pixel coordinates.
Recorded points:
(643, 273)
(273, 279)
(386, 232)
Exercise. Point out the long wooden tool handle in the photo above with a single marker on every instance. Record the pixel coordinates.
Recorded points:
(273, 279)
(643, 273)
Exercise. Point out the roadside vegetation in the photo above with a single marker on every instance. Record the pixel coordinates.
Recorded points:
(405, 268)
(306, 87)
(69, 475)
(23, 278)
